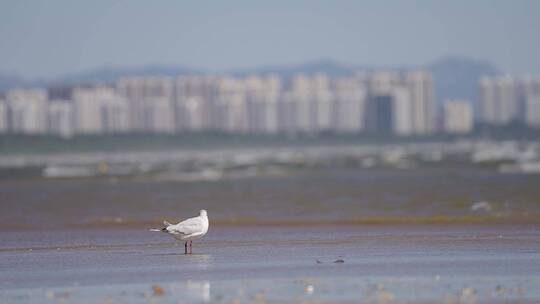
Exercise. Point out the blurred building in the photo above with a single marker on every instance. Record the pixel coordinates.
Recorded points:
(349, 106)
(532, 115)
(60, 92)
(3, 117)
(157, 115)
(151, 107)
(458, 117)
(100, 110)
(300, 99)
(400, 103)
(27, 111)
(506, 99)
(420, 85)
(323, 103)
(529, 92)
(499, 103)
(230, 110)
(194, 99)
(262, 96)
(389, 113)
(388, 102)
(60, 119)
(287, 109)
(380, 113)
(403, 118)
(382, 82)
(307, 105)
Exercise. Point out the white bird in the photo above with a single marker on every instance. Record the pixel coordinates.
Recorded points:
(187, 230)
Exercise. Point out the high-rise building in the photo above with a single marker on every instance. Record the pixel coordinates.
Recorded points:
(323, 100)
(380, 114)
(151, 106)
(458, 117)
(190, 114)
(389, 113)
(505, 99)
(499, 102)
(403, 119)
(100, 110)
(399, 103)
(383, 101)
(60, 120)
(157, 115)
(196, 90)
(262, 95)
(307, 105)
(529, 93)
(300, 98)
(230, 107)
(322, 111)
(382, 82)
(420, 85)
(287, 109)
(349, 106)
(532, 116)
(27, 111)
(488, 104)
(3, 117)
(509, 107)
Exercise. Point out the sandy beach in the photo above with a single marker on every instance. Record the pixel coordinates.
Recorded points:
(293, 226)
(250, 264)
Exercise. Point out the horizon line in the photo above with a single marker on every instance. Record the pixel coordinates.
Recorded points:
(201, 70)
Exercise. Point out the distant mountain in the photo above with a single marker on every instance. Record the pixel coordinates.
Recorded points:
(11, 81)
(111, 74)
(457, 77)
(454, 77)
(329, 67)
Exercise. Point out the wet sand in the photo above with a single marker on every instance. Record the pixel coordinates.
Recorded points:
(332, 195)
(275, 264)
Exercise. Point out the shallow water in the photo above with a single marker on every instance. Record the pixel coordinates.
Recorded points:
(404, 263)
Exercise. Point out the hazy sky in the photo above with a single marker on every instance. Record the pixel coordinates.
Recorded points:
(49, 38)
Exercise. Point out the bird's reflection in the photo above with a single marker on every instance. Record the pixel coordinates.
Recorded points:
(200, 261)
(198, 258)
(193, 291)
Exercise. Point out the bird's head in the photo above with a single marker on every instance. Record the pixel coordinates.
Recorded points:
(203, 213)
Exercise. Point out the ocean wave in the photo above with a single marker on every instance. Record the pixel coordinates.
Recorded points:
(196, 165)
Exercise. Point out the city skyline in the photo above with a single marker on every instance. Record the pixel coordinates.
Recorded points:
(62, 37)
(377, 102)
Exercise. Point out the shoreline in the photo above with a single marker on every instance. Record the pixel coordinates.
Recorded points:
(472, 220)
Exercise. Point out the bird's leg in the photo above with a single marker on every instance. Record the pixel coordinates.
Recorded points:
(190, 247)
(185, 248)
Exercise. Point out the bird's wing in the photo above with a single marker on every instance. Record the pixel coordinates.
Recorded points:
(189, 226)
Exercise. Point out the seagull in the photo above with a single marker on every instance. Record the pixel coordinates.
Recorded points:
(187, 230)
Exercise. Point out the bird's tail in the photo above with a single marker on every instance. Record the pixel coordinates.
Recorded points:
(164, 229)
(158, 230)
